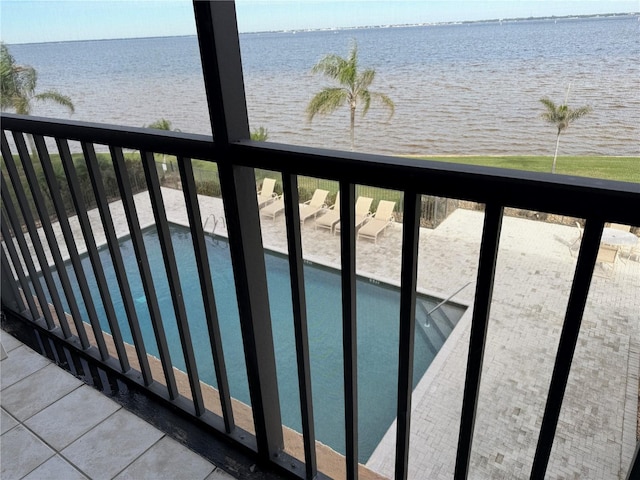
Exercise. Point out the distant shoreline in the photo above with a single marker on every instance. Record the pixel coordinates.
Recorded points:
(337, 29)
(461, 22)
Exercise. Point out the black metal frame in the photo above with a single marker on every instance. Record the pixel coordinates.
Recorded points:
(237, 156)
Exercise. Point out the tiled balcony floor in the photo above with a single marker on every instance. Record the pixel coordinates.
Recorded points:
(54, 426)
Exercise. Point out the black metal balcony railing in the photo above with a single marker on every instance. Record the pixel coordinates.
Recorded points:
(595, 201)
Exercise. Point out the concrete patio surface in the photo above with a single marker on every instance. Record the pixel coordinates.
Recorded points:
(596, 434)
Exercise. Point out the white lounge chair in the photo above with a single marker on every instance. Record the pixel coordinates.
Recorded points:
(331, 216)
(274, 208)
(266, 194)
(607, 256)
(575, 245)
(312, 207)
(379, 222)
(363, 207)
(619, 226)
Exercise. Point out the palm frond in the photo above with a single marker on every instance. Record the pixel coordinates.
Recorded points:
(160, 124)
(21, 105)
(579, 112)
(365, 96)
(26, 78)
(551, 112)
(365, 79)
(386, 101)
(331, 66)
(326, 101)
(56, 97)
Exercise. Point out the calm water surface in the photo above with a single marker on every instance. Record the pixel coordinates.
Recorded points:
(458, 89)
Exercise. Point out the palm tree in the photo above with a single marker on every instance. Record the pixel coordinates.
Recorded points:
(353, 89)
(561, 116)
(260, 134)
(163, 124)
(18, 85)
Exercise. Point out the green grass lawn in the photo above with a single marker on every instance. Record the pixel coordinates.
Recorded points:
(626, 169)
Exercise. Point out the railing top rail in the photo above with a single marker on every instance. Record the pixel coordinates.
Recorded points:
(160, 141)
(553, 193)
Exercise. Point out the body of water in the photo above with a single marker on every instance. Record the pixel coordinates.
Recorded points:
(458, 89)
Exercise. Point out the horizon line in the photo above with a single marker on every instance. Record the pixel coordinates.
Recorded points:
(363, 27)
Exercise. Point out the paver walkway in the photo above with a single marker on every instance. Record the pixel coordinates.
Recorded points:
(596, 432)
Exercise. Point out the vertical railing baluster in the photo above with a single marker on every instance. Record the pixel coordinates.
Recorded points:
(189, 190)
(100, 196)
(299, 303)
(171, 269)
(408, 286)
(45, 224)
(15, 259)
(26, 255)
(54, 188)
(568, 339)
(126, 195)
(10, 293)
(479, 324)
(349, 329)
(74, 256)
(27, 215)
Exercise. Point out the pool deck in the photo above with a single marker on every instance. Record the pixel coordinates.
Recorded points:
(596, 434)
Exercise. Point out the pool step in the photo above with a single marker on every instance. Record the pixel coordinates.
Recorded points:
(435, 326)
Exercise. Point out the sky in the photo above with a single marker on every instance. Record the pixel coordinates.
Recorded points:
(30, 21)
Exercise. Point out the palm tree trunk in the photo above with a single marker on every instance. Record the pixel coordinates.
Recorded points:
(353, 127)
(555, 156)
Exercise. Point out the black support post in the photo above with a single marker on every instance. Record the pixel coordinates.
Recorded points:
(349, 325)
(222, 69)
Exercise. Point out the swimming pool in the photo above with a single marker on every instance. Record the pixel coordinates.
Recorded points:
(378, 307)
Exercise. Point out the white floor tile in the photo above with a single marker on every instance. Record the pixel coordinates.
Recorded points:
(69, 418)
(21, 452)
(20, 363)
(9, 342)
(110, 447)
(55, 468)
(37, 391)
(168, 460)
(7, 422)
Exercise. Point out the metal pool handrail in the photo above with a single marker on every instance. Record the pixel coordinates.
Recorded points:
(448, 298)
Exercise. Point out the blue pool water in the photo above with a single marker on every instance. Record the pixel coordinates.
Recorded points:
(378, 324)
